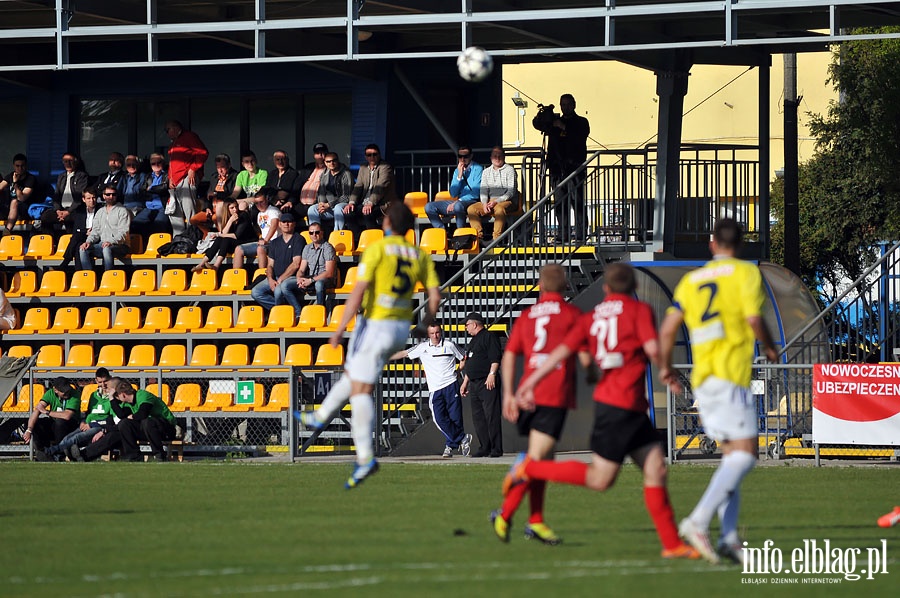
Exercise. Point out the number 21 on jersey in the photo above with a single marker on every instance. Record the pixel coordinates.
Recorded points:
(606, 330)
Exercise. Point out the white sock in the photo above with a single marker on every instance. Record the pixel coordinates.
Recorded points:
(334, 400)
(724, 482)
(728, 514)
(361, 421)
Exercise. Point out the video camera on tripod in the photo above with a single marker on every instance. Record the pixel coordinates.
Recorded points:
(546, 116)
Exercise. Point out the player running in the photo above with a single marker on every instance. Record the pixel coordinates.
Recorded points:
(388, 273)
(539, 330)
(621, 335)
(721, 304)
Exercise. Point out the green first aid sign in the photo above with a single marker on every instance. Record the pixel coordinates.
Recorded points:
(244, 393)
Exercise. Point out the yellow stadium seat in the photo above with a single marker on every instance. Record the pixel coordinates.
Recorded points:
(112, 283)
(136, 245)
(9, 403)
(161, 391)
(350, 279)
(111, 356)
(24, 282)
(250, 317)
(128, 319)
(153, 244)
(158, 319)
(329, 356)
(236, 356)
(86, 392)
(204, 355)
(215, 401)
(143, 282)
(443, 196)
(415, 201)
(342, 241)
(187, 396)
(36, 319)
(279, 399)
(84, 282)
(173, 282)
(142, 356)
(61, 246)
(336, 314)
(218, 318)
(312, 317)
(188, 319)
(173, 356)
(434, 240)
(202, 282)
(281, 317)
(40, 247)
(20, 351)
(266, 354)
(467, 231)
(305, 235)
(299, 354)
(80, 356)
(259, 399)
(12, 247)
(23, 403)
(367, 237)
(96, 319)
(234, 282)
(65, 320)
(410, 236)
(52, 283)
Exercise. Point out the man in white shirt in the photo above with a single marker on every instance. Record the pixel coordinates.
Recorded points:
(498, 194)
(109, 236)
(267, 219)
(439, 357)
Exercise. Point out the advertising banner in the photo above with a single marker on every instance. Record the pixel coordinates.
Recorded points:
(856, 403)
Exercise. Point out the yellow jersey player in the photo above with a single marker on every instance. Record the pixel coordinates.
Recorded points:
(721, 305)
(387, 275)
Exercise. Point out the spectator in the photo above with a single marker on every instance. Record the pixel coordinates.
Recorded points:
(186, 157)
(285, 179)
(238, 229)
(566, 151)
(465, 190)
(334, 193)
(480, 381)
(96, 417)
(267, 217)
(498, 194)
(280, 285)
(115, 175)
(70, 184)
(439, 357)
(153, 218)
(60, 404)
(143, 417)
(132, 185)
(214, 216)
(82, 224)
(7, 313)
(374, 190)
(15, 192)
(249, 181)
(311, 176)
(318, 261)
(109, 237)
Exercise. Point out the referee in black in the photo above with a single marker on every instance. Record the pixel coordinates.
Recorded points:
(482, 385)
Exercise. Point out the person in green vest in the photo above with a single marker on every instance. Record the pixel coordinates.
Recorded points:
(61, 405)
(94, 421)
(144, 417)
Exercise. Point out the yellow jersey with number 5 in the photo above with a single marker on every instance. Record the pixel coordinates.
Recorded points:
(392, 267)
(716, 301)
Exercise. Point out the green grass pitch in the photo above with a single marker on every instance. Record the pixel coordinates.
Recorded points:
(207, 528)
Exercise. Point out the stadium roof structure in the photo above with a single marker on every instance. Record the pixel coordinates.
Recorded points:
(42, 35)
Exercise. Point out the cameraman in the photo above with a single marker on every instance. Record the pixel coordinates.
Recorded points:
(566, 151)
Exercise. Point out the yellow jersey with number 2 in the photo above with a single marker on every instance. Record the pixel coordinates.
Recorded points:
(716, 301)
(392, 267)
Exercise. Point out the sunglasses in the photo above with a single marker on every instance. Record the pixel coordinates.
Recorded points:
(130, 164)
(315, 232)
(330, 161)
(156, 163)
(371, 154)
(278, 158)
(109, 195)
(464, 156)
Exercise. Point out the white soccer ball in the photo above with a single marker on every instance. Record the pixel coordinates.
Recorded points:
(474, 64)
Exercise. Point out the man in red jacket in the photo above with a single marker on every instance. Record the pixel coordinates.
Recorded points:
(186, 157)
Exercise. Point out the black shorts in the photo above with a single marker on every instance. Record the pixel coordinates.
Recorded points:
(619, 432)
(549, 420)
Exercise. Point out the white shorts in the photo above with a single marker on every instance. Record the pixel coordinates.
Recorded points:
(727, 411)
(373, 341)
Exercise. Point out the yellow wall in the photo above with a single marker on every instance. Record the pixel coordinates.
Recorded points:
(620, 102)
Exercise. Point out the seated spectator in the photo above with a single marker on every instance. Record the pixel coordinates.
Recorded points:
(115, 174)
(374, 190)
(499, 197)
(61, 405)
(285, 179)
(248, 181)
(70, 184)
(152, 218)
(238, 229)
(310, 177)
(95, 419)
(221, 187)
(82, 224)
(15, 192)
(280, 285)
(333, 196)
(109, 236)
(465, 188)
(266, 217)
(319, 264)
(143, 416)
(132, 185)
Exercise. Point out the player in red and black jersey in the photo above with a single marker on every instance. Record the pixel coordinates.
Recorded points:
(620, 333)
(535, 334)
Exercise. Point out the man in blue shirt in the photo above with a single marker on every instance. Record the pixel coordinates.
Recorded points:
(465, 189)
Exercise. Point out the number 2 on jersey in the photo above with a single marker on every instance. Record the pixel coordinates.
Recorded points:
(708, 314)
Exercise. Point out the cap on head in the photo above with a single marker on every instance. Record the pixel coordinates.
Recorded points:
(474, 316)
(320, 148)
(286, 217)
